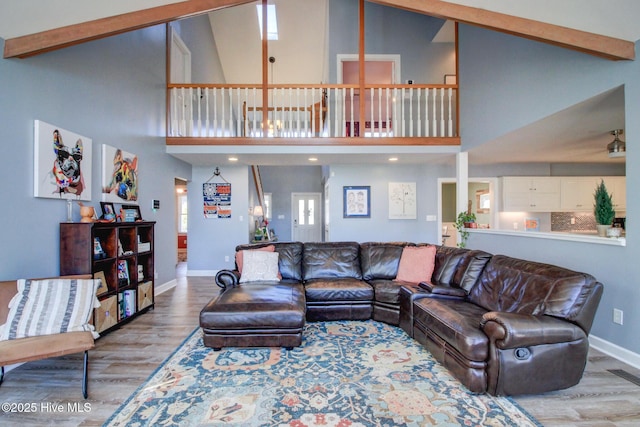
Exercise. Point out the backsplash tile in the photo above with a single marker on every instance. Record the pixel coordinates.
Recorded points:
(561, 221)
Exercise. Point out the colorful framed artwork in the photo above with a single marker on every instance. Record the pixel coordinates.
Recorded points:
(356, 201)
(119, 175)
(62, 163)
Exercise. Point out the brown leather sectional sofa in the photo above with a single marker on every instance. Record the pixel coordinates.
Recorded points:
(501, 325)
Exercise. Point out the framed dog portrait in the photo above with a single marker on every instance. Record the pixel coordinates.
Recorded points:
(356, 202)
(62, 163)
(119, 175)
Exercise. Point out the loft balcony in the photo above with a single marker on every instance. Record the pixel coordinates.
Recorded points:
(307, 115)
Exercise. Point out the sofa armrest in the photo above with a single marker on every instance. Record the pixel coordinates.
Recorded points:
(513, 330)
(227, 278)
(443, 291)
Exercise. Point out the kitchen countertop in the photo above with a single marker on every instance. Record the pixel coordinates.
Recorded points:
(575, 236)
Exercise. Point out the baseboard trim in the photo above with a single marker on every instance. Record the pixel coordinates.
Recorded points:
(615, 351)
(166, 286)
(199, 273)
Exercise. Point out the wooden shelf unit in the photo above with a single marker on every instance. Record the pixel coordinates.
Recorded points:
(125, 247)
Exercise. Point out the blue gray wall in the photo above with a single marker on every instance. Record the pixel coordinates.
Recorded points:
(110, 90)
(507, 82)
(379, 227)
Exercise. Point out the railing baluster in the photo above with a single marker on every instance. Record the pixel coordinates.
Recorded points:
(386, 114)
(442, 128)
(450, 90)
(434, 121)
(419, 124)
(426, 112)
(411, 112)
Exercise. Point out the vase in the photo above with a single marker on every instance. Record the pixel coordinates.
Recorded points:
(86, 212)
(602, 229)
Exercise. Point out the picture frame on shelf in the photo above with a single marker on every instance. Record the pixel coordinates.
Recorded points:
(108, 211)
(103, 287)
(131, 213)
(356, 201)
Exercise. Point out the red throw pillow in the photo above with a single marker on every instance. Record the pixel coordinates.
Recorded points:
(416, 264)
(239, 256)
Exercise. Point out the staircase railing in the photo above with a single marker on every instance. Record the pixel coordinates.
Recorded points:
(303, 111)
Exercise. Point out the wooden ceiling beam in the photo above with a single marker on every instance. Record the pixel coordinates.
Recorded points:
(45, 41)
(593, 44)
(582, 41)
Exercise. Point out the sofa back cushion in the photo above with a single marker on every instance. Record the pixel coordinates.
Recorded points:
(290, 257)
(380, 260)
(458, 267)
(331, 259)
(526, 287)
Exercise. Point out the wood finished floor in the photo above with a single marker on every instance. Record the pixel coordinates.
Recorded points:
(124, 359)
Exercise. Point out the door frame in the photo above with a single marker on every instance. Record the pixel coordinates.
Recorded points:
(342, 57)
(493, 188)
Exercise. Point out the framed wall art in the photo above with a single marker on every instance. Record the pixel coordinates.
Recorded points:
(356, 201)
(62, 163)
(119, 175)
(402, 200)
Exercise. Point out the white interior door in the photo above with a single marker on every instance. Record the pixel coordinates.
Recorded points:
(305, 211)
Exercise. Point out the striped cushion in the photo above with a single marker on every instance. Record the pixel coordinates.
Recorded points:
(51, 306)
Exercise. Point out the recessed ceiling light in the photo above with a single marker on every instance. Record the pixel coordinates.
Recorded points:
(393, 159)
(313, 159)
(233, 159)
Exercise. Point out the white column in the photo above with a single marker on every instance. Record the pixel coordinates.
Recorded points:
(462, 183)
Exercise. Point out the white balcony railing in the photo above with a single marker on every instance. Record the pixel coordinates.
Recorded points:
(301, 111)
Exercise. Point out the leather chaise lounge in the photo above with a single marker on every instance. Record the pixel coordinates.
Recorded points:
(500, 325)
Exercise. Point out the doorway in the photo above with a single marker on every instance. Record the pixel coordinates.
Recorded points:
(378, 69)
(182, 210)
(482, 201)
(305, 213)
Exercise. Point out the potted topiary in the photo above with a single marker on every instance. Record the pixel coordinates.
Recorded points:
(465, 220)
(603, 209)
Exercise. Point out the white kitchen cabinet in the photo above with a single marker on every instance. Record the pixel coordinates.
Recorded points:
(617, 187)
(531, 194)
(577, 193)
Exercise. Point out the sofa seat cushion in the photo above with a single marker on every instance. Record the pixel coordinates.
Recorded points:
(339, 289)
(387, 291)
(455, 322)
(276, 305)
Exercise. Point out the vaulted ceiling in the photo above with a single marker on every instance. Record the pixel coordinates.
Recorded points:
(608, 29)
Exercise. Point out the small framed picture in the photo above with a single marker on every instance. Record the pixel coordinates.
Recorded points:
(131, 213)
(108, 211)
(356, 201)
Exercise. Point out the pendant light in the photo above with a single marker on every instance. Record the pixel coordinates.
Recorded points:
(617, 148)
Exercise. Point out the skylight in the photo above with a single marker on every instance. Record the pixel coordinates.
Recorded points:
(272, 23)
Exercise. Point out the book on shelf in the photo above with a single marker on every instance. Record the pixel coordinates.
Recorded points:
(123, 272)
(127, 303)
(144, 246)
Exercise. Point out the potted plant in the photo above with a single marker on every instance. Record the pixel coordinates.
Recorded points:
(603, 209)
(464, 221)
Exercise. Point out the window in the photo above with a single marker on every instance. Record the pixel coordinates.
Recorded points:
(267, 206)
(272, 23)
(182, 212)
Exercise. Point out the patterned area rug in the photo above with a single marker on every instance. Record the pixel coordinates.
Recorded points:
(345, 374)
